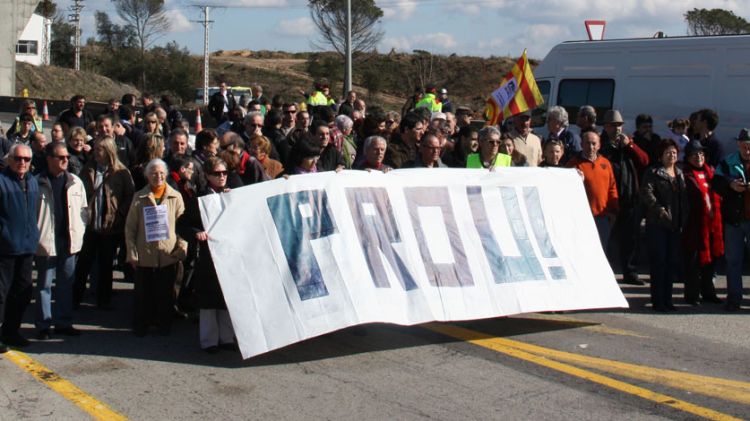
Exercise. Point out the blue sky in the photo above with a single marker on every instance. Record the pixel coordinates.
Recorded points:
(471, 27)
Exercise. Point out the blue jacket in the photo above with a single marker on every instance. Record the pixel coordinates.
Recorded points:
(18, 211)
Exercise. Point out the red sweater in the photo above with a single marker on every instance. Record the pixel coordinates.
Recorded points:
(599, 181)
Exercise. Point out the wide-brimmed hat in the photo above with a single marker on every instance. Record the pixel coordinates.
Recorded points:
(613, 116)
(693, 147)
(744, 136)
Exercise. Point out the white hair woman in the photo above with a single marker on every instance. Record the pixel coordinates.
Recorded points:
(154, 249)
(557, 125)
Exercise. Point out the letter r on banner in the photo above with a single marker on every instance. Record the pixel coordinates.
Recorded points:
(299, 218)
(377, 231)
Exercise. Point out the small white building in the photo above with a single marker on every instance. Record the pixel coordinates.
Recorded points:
(32, 44)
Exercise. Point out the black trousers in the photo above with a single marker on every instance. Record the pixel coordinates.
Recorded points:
(154, 298)
(98, 251)
(698, 278)
(628, 232)
(16, 288)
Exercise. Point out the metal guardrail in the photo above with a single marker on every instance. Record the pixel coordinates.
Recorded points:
(12, 104)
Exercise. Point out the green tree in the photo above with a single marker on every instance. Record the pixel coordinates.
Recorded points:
(171, 69)
(113, 36)
(330, 18)
(715, 22)
(149, 21)
(62, 50)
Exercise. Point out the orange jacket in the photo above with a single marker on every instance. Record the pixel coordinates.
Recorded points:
(599, 182)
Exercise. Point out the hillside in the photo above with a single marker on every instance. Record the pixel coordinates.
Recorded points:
(60, 83)
(382, 79)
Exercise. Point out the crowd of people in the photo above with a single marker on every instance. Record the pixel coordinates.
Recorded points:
(120, 191)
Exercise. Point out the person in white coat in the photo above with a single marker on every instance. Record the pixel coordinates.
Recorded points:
(62, 218)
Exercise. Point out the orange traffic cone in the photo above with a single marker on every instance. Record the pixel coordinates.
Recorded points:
(45, 112)
(198, 123)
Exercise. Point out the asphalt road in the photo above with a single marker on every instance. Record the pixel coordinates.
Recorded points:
(475, 370)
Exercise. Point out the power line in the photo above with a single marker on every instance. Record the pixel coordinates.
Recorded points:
(205, 23)
(75, 18)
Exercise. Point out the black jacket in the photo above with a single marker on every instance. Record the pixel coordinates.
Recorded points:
(665, 200)
(207, 288)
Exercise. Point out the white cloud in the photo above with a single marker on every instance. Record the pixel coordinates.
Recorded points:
(301, 27)
(439, 43)
(241, 3)
(399, 9)
(178, 22)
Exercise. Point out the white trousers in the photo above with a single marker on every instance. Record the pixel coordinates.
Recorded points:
(215, 328)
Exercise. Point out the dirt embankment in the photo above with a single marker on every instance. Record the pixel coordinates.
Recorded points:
(53, 82)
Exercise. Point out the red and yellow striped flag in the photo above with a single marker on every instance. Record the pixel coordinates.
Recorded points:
(517, 93)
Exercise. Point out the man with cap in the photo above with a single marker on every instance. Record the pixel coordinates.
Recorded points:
(628, 162)
(447, 104)
(731, 182)
(463, 117)
(527, 143)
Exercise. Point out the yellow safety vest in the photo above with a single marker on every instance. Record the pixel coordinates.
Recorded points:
(475, 161)
(317, 98)
(431, 103)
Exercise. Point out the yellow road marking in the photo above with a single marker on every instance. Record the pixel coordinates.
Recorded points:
(732, 390)
(591, 326)
(504, 346)
(65, 388)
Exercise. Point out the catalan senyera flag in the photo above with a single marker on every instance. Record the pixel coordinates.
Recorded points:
(517, 93)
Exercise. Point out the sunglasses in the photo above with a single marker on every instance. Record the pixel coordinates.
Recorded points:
(219, 173)
(62, 157)
(22, 158)
(491, 142)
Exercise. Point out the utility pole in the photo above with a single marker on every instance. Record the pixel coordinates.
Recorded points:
(75, 18)
(348, 72)
(205, 23)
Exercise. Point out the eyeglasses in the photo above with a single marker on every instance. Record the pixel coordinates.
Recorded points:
(218, 173)
(62, 157)
(22, 158)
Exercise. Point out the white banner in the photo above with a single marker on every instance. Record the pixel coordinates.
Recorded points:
(306, 256)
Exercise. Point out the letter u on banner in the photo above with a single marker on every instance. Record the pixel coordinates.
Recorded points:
(300, 218)
(526, 266)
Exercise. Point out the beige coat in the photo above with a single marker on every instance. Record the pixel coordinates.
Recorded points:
(78, 215)
(158, 253)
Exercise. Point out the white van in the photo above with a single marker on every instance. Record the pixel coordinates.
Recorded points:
(663, 77)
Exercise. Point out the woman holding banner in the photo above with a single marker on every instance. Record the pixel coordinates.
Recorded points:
(215, 325)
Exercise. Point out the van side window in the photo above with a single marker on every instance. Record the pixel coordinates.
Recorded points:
(539, 114)
(573, 93)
